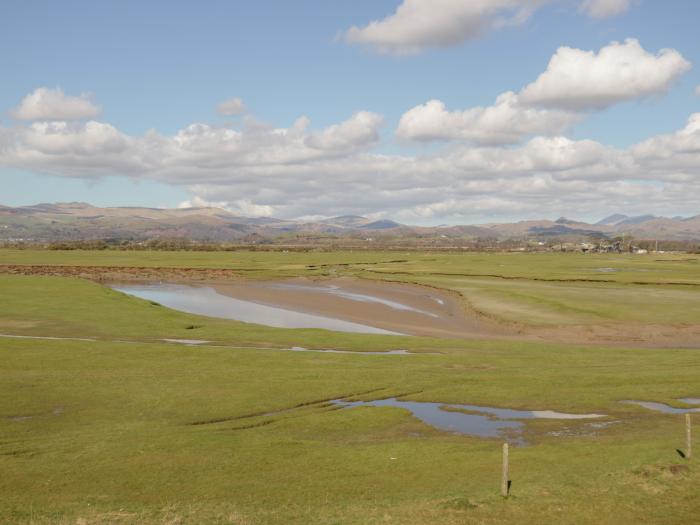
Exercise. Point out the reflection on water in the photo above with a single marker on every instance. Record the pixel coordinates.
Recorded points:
(663, 407)
(467, 419)
(354, 296)
(203, 300)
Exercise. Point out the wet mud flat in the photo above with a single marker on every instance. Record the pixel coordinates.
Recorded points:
(396, 307)
(206, 300)
(343, 304)
(389, 308)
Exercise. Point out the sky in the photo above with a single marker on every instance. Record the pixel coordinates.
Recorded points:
(421, 111)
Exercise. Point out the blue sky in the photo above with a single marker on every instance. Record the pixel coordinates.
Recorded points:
(162, 66)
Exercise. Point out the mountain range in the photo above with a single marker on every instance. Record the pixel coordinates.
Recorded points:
(80, 221)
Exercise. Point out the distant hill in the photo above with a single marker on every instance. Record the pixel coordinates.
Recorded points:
(74, 221)
(382, 225)
(612, 219)
(648, 227)
(636, 220)
(346, 221)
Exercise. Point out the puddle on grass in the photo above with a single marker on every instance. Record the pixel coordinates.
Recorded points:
(690, 400)
(330, 351)
(55, 412)
(467, 419)
(589, 429)
(187, 341)
(204, 300)
(197, 342)
(20, 418)
(46, 337)
(663, 407)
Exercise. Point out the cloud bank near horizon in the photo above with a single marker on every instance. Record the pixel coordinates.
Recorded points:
(513, 158)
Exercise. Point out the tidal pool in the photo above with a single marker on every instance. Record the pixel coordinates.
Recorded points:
(204, 300)
(467, 419)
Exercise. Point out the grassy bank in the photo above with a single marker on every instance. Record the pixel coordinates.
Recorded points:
(652, 268)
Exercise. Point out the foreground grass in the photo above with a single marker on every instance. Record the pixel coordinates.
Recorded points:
(107, 436)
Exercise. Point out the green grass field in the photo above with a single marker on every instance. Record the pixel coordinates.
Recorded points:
(101, 431)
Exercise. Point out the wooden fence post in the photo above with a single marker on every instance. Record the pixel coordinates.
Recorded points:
(504, 477)
(688, 435)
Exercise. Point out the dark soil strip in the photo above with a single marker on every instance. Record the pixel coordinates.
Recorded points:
(148, 273)
(281, 410)
(333, 265)
(246, 427)
(142, 273)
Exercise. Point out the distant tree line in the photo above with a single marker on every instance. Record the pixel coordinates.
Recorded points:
(307, 243)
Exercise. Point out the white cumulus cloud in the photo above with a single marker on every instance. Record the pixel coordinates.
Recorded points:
(604, 8)
(60, 137)
(53, 104)
(231, 107)
(249, 209)
(421, 24)
(506, 122)
(574, 83)
(198, 202)
(675, 155)
(578, 80)
(361, 129)
(76, 149)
